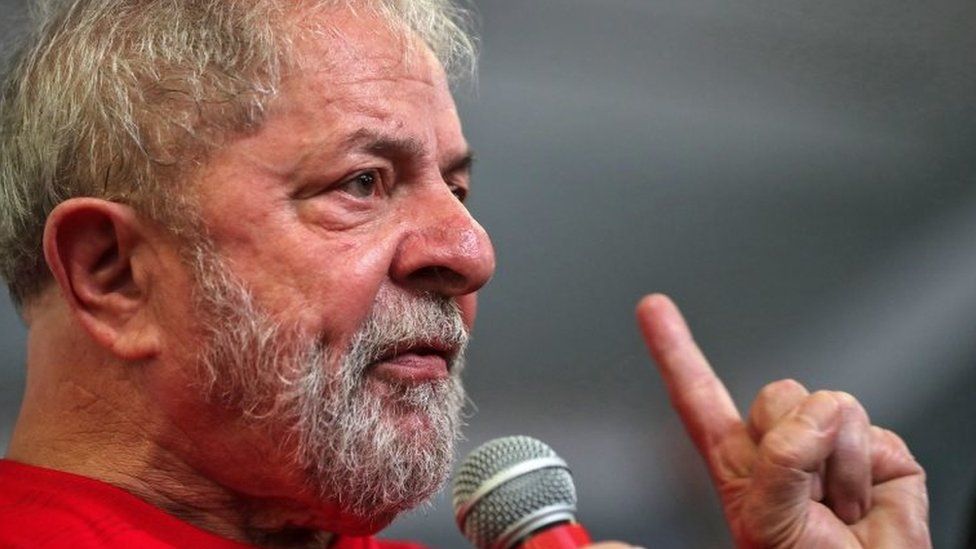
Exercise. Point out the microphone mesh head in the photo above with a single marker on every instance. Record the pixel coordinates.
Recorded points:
(520, 497)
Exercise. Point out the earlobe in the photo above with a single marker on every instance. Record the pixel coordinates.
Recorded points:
(96, 252)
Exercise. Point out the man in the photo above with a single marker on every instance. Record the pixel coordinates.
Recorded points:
(236, 232)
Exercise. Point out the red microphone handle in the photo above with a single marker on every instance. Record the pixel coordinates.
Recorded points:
(569, 535)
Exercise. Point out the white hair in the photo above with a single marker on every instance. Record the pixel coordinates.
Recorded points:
(318, 400)
(117, 99)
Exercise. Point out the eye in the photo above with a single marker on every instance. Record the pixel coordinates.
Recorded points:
(460, 192)
(361, 185)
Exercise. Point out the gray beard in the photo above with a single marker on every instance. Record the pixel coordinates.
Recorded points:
(374, 448)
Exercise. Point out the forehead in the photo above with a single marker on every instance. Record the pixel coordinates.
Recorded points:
(344, 46)
(348, 75)
(352, 67)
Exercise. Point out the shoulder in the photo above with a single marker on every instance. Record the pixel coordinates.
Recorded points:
(52, 509)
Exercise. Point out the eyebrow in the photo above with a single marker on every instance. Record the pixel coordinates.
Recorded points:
(403, 148)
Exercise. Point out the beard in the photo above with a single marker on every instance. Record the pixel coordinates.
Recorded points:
(374, 448)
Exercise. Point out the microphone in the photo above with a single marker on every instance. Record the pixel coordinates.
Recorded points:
(516, 492)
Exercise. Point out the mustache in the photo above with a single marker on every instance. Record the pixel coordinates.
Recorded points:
(401, 321)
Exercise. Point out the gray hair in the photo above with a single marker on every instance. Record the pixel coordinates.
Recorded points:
(120, 99)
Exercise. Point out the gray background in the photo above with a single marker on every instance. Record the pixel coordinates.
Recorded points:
(799, 175)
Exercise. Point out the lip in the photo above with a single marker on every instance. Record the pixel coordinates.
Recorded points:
(413, 365)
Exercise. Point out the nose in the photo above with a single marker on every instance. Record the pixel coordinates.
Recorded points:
(444, 250)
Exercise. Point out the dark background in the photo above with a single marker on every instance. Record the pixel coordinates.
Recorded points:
(798, 175)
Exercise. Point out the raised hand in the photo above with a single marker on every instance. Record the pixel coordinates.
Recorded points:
(803, 470)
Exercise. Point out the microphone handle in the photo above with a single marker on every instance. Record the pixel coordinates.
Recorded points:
(568, 535)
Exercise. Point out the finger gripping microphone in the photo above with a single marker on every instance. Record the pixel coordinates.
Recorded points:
(516, 492)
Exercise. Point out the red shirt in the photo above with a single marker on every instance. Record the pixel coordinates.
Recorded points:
(47, 508)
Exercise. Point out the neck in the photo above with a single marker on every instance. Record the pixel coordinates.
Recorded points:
(140, 427)
(67, 426)
(156, 475)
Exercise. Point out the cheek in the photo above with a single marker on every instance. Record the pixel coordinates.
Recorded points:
(341, 284)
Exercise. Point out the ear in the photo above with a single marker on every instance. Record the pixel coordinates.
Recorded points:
(99, 256)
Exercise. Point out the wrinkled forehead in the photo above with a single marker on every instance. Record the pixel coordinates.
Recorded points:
(352, 42)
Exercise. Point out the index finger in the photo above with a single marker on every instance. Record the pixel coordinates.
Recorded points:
(698, 395)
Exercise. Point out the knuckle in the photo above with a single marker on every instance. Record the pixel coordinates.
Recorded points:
(907, 454)
(893, 440)
(851, 405)
(781, 449)
(823, 394)
(789, 383)
(846, 400)
(894, 437)
(780, 387)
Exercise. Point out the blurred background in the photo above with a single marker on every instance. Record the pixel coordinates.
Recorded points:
(798, 175)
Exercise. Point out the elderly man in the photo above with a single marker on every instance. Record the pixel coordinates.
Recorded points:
(237, 233)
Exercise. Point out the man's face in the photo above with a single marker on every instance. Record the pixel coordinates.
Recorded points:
(343, 264)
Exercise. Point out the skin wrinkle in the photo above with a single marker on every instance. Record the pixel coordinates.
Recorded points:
(111, 58)
(288, 276)
(312, 271)
(397, 150)
(162, 470)
(367, 265)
